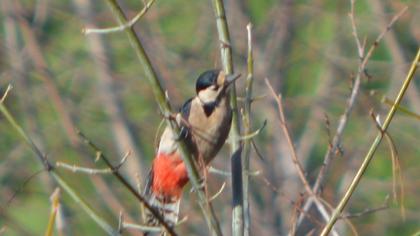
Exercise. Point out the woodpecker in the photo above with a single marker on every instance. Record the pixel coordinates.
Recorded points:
(205, 123)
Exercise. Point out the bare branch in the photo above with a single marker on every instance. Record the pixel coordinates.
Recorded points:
(403, 109)
(218, 192)
(121, 27)
(364, 58)
(343, 202)
(253, 134)
(360, 47)
(9, 87)
(295, 159)
(36, 55)
(397, 194)
(48, 167)
(126, 183)
(92, 171)
(143, 228)
(55, 206)
(219, 172)
(366, 211)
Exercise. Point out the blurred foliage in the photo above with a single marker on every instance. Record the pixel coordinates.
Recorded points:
(311, 64)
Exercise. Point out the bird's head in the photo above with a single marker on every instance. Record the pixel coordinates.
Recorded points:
(211, 85)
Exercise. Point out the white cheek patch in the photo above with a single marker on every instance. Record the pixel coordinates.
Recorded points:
(208, 95)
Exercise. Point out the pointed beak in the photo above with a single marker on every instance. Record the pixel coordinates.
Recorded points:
(231, 78)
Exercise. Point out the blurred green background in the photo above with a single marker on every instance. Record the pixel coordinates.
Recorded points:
(63, 79)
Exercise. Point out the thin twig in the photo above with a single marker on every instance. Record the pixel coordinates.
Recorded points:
(347, 221)
(219, 172)
(292, 202)
(109, 98)
(293, 219)
(3, 98)
(41, 65)
(253, 99)
(364, 212)
(23, 185)
(249, 136)
(143, 228)
(343, 202)
(367, 211)
(218, 192)
(146, 228)
(228, 174)
(85, 170)
(364, 58)
(403, 109)
(48, 167)
(36, 55)
(396, 168)
(92, 171)
(126, 183)
(55, 205)
(360, 48)
(299, 168)
(121, 27)
(397, 54)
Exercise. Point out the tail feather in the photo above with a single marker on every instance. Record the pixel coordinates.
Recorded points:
(168, 209)
(163, 188)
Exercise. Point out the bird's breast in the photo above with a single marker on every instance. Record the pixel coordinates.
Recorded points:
(209, 131)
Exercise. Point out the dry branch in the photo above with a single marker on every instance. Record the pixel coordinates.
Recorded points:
(109, 98)
(364, 58)
(343, 202)
(49, 168)
(247, 129)
(299, 168)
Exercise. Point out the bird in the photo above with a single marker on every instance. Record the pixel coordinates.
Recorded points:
(205, 121)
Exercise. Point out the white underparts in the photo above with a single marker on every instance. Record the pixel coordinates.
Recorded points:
(168, 143)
